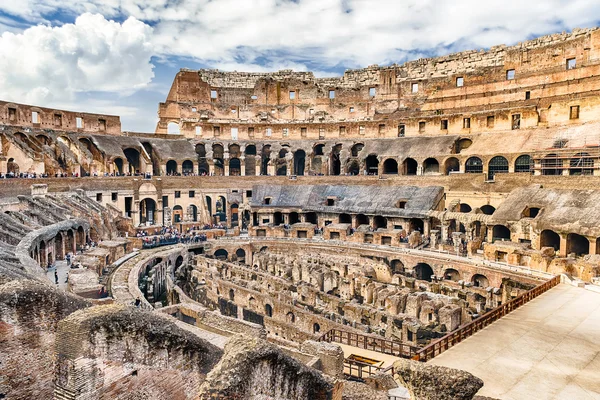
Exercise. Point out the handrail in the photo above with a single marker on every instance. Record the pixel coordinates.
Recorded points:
(463, 332)
(360, 370)
(367, 342)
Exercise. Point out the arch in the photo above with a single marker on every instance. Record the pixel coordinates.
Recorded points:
(318, 149)
(417, 224)
(171, 167)
(550, 238)
(552, 165)
(290, 318)
(474, 165)
(356, 149)
(118, 165)
(372, 165)
(201, 150)
(409, 167)
(362, 219)
(221, 254)
(133, 158)
(187, 167)
(194, 212)
(269, 310)
(497, 165)
(451, 165)
(451, 274)
(530, 212)
(265, 159)
(523, 164)
(59, 246)
(479, 280)
(234, 213)
(397, 266)
(282, 163)
(234, 150)
(231, 294)
(464, 208)
(353, 167)
(235, 167)
(500, 232)
(379, 222)
(294, 218)
(390, 166)
(423, 272)
(577, 244)
(173, 128)
(218, 161)
(316, 328)
(581, 164)
(462, 144)
(335, 162)
(487, 209)
(431, 166)
(299, 162)
(177, 214)
(250, 150)
(345, 219)
(311, 217)
(277, 218)
(12, 167)
(147, 212)
(44, 140)
(178, 263)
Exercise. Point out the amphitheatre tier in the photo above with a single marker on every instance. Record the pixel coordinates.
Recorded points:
(315, 232)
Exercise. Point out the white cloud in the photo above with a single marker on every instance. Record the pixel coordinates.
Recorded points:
(46, 64)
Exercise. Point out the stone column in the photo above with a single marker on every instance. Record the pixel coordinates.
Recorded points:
(243, 166)
(593, 246)
(563, 246)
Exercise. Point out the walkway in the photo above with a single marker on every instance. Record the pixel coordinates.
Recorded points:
(547, 349)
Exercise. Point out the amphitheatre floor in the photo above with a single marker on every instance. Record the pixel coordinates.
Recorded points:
(547, 349)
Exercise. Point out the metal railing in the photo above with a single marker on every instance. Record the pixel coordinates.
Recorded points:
(457, 336)
(360, 370)
(379, 345)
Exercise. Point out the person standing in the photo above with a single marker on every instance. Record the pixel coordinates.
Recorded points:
(56, 277)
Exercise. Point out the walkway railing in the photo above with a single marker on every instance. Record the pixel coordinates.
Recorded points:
(380, 345)
(360, 370)
(457, 336)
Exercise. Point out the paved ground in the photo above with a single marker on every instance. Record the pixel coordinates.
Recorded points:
(547, 349)
(63, 270)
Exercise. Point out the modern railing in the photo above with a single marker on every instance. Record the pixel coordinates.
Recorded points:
(360, 370)
(457, 336)
(380, 345)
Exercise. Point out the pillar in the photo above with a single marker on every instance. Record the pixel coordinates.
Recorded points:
(592, 246)
(243, 166)
(563, 246)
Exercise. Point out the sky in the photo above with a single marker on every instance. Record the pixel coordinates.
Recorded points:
(120, 56)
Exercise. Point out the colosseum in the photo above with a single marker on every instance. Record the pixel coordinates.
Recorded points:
(420, 231)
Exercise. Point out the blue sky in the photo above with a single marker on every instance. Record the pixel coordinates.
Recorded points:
(120, 56)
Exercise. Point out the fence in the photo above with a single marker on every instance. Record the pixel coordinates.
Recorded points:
(457, 336)
(366, 342)
(360, 370)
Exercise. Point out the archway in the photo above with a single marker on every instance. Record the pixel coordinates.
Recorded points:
(173, 128)
(417, 224)
(187, 168)
(423, 272)
(316, 328)
(581, 164)
(147, 212)
(59, 246)
(235, 167)
(362, 219)
(550, 238)
(282, 163)
(409, 167)
(336, 164)
(577, 244)
(474, 165)
(390, 166)
(221, 254)
(177, 214)
(178, 263)
(12, 167)
(497, 165)
(269, 310)
(451, 165)
(379, 222)
(397, 266)
(118, 166)
(479, 280)
(356, 149)
(451, 275)
(353, 167)
(133, 158)
(431, 166)
(294, 218)
(265, 159)
(234, 212)
(277, 218)
(171, 167)
(487, 209)
(523, 164)
(194, 212)
(464, 208)
(345, 219)
(552, 165)
(372, 165)
(500, 232)
(299, 162)
(290, 318)
(311, 217)
(218, 161)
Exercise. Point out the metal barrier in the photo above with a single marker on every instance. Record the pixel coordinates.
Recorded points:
(457, 336)
(359, 370)
(372, 343)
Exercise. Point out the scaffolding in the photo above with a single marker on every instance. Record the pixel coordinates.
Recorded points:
(581, 160)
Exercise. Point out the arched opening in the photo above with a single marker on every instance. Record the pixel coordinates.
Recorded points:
(523, 164)
(250, 150)
(44, 140)
(431, 166)
(290, 318)
(581, 164)
(133, 158)
(451, 275)
(231, 295)
(59, 246)
(277, 218)
(451, 165)
(194, 213)
(379, 222)
(497, 165)
(345, 219)
(234, 213)
(177, 214)
(353, 167)
(550, 238)
(500, 232)
(235, 167)
(530, 212)
(187, 168)
(463, 144)
(294, 218)
(218, 161)
(423, 272)
(118, 166)
(221, 254)
(487, 209)
(316, 328)
(552, 165)
(12, 167)
(397, 266)
(173, 128)
(479, 280)
(234, 150)
(336, 164)
(265, 159)
(201, 150)
(464, 208)
(299, 162)
(362, 219)
(221, 209)
(474, 165)
(390, 166)
(178, 263)
(417, 224)
(203, 168)
(311, 217)
(356, 149)
(282, 163)
(250, 161)
(171, 167)
(318, 150)
(409, 167)
(269, 310)
(577, 244)
(372, 165)
(147, 212)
